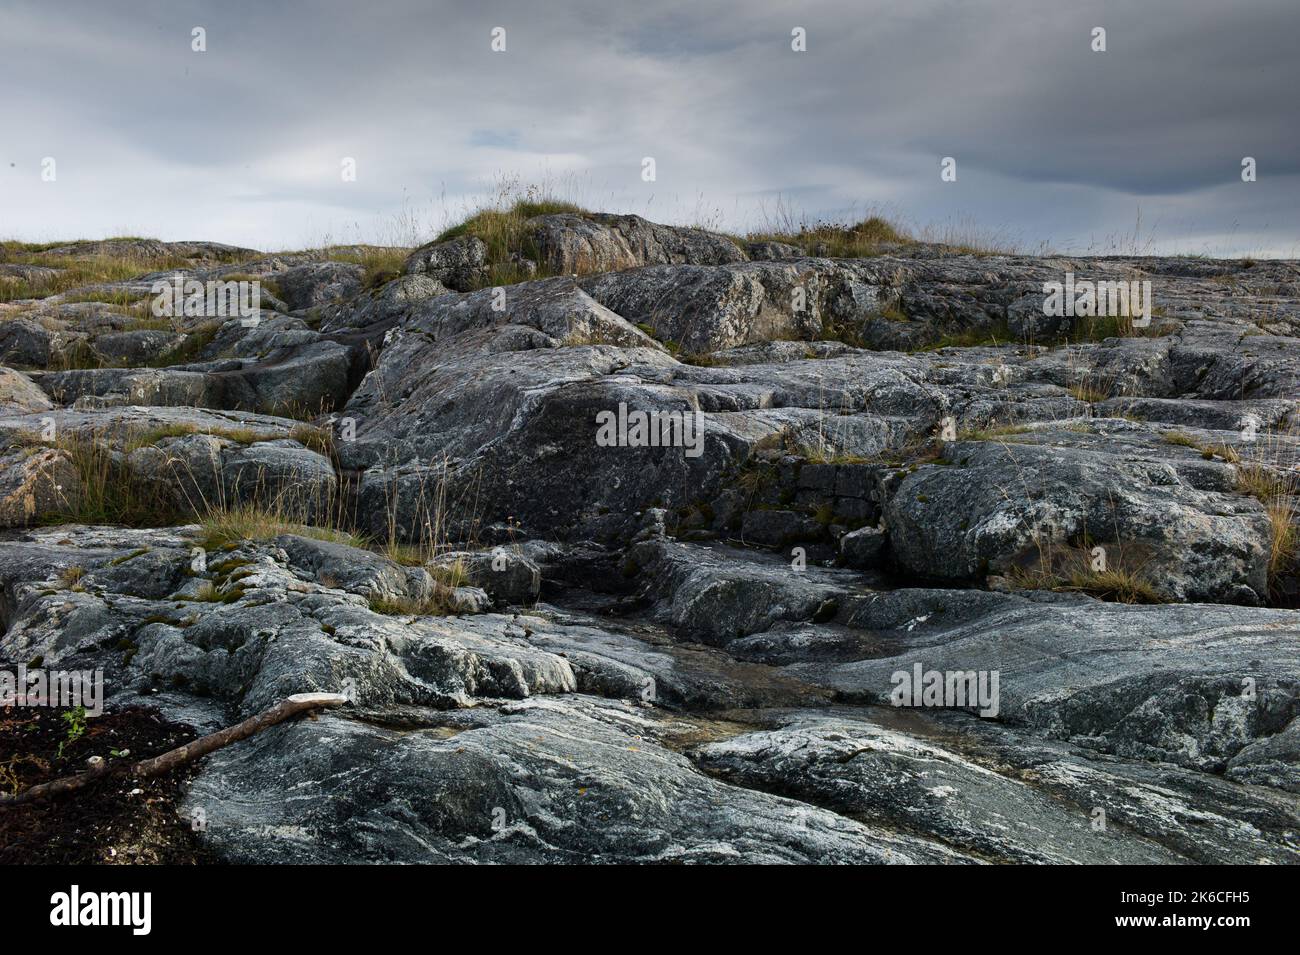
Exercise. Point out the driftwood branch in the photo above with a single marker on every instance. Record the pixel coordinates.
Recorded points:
(99, 767)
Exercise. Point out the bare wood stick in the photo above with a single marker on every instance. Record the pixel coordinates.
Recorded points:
(98, 767)
(286, 708)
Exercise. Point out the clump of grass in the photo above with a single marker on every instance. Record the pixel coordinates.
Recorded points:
(437, 604)
(407, 555)
(149, 437)
(1263, 482)
(382, 263)
(417, 536)
(123, 299)
(502, 227)
(70, 577)
(1088, 391)
(819, 456)
(1121, 586)
(105, 493)
(781, 440)
(911, 454)
(997, 334)
(225, 525)
(242, 435)
(840, 240)
(207, 592)
(845, 332)
(994, 433)
(298, 410)
(1278, 490)
(579, 338)
(451, 575)
(1209, 451)
(755, 479)
(189, 350)
(1284, 541)
(265, 282)
(272, 286)
(76, 270)
(1100, 327)
(1071, 571)
(440, 601)
(77, 355)
(497, 226)
(314, 438)
(698, 358)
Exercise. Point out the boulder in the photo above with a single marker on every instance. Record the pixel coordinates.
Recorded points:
(578, 244)
(507, 576)
(864, 548)
(318, 283)
(983, 791)
(34, 482)
(460, 263)
(19, 393)
(136, 347)
(996, 507)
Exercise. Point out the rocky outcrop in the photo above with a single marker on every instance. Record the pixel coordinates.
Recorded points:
(460, 264)
(632, 560)
(999, 797)
(18, 393)
(145, 249)
(991, 508)
(542, 781)
(184, 461)
(525, 725)
(318, 283)
(576, 244)
(35, 482)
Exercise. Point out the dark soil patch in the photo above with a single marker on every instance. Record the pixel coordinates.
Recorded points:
(117, 819)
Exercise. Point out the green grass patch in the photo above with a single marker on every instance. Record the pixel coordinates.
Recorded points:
(994, 433)
(503, 229)
(838, 240)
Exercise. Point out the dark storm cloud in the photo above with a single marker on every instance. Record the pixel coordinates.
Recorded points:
(1053, 142)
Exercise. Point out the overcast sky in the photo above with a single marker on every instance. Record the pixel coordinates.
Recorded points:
(1054, 144)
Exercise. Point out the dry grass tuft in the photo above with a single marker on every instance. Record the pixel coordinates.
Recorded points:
(1268, 479)
(227, 525)
(1071, 570)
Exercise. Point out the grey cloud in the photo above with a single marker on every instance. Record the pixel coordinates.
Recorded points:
(1054, 143)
